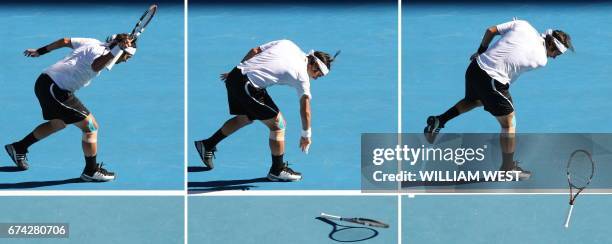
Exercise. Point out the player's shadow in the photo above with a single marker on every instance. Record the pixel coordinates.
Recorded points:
(10, 169)
(192, 169)
(345, 233)
(224, 185)
(36, 184)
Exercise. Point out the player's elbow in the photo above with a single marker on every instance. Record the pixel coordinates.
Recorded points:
(492, 30)
(65, 42)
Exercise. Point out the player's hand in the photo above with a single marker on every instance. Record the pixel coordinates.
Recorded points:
(475, 55)
(305, 144)
(223, 76)
(31, 53)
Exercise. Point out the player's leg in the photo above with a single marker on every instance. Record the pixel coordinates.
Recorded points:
(18, 150)
(50, 98)
(473, 79)
(498, 102)
(507, 140)
(206, 148)
(92, 171)
(238, 103)
(279, 171)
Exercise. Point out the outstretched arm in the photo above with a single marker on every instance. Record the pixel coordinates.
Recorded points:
(486, 40)
(306, 129)
(64, 42)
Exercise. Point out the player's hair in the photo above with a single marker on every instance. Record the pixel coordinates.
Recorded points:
(324, 57)
(118, 38)
(562, 37)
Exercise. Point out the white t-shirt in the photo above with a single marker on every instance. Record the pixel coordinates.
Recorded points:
(279, 62)
(520, 49)
(74, 71)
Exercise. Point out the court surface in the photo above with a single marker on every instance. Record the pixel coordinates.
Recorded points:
(505, 219)
(359, 94)
(138, 106)
(100, 220)
(287, 219)
(570, 94)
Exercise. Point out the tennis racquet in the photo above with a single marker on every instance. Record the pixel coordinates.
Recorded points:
(138, 29)
(580, 171)
(361, 221)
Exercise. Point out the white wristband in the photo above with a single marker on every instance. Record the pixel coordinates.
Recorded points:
(307, 133)
(116, 50)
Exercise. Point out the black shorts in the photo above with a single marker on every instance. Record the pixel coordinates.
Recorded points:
(245, 99)
(57, 103)
(494, 95)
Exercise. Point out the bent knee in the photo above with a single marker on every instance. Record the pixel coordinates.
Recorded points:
(278, 123)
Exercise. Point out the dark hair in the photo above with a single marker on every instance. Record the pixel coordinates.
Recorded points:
(324, 57)
(562, 37)
(118, 38)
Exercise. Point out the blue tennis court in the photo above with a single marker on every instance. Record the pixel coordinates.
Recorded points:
(138, 105)
(100, 219)
(293, 219)
(568, 95)
(505, 219)
(359, 95)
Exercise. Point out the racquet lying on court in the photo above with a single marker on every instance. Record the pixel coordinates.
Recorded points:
(138, 29)
(580, 171)
(361, 221)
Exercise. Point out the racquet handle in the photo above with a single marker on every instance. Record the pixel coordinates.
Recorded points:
(569, 216)
(111, 63)
(329, 216)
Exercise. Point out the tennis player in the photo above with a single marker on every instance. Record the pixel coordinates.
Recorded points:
(55, 89)
(493, 69)
(279, 62)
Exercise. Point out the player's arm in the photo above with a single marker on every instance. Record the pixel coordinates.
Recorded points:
(63, 42)
(488, 36)
(249, 55)
(100, 62)
(306, 129)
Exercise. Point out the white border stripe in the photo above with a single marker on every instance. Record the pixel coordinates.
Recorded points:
(92, 193)
(399, 111)
(186, 116)
(290, 193)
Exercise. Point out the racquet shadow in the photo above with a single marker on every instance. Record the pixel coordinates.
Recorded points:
(36, 184)
(224, 185)
(345, 233)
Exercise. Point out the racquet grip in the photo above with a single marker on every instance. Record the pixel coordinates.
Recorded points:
(111, 63)
(569, 216)
(329, 216)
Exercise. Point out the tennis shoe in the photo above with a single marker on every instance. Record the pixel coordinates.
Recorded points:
(432, 129)
(206, 155)
(99, 175)
(20, 159)
(286, 174)
(523, 174)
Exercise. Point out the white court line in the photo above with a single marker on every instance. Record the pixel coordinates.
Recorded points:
(289, 193)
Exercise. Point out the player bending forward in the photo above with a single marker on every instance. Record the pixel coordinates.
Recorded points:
(493, 69)
(275, 63)
(55, 89)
